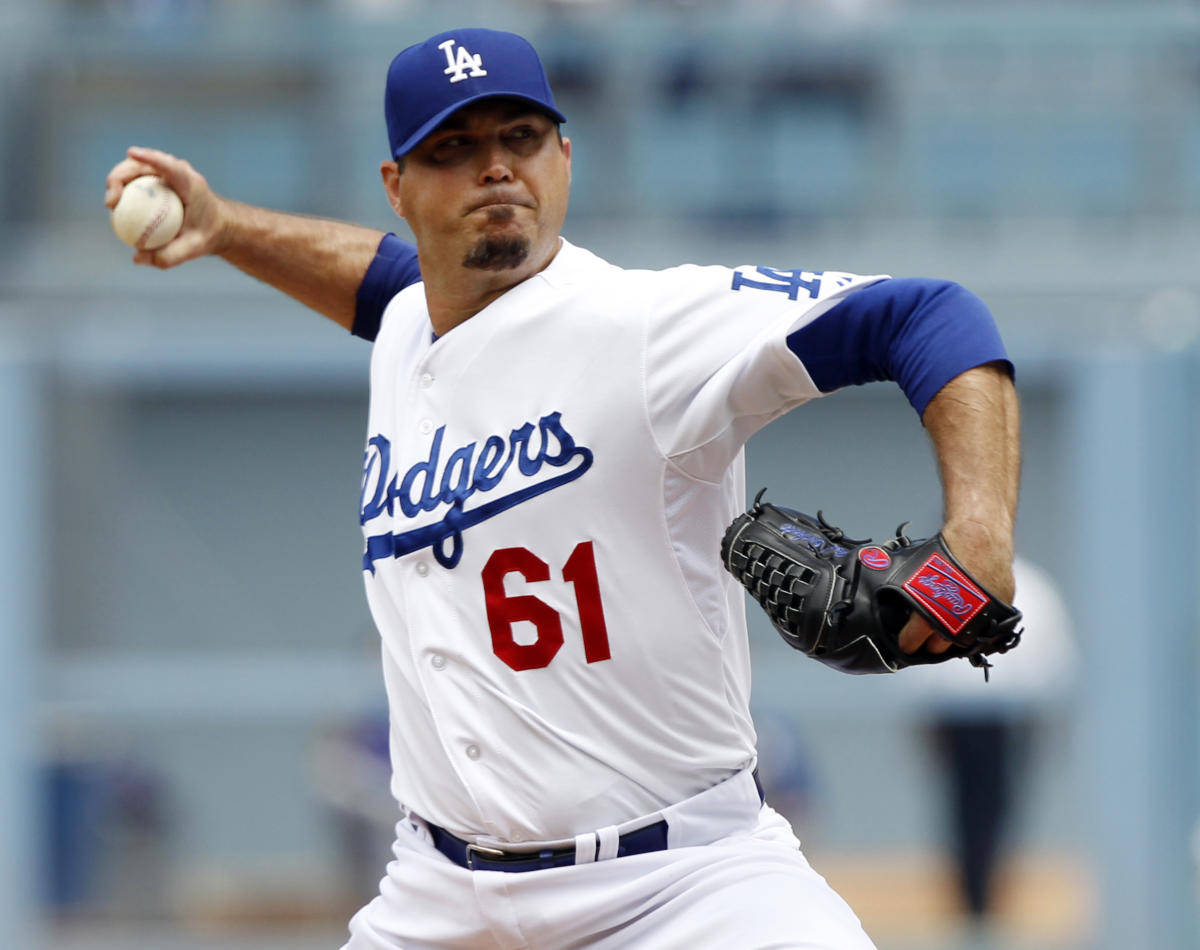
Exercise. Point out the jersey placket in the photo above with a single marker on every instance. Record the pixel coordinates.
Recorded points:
(434, 634)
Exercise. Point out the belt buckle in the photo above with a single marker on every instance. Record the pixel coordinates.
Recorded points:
(492, 853)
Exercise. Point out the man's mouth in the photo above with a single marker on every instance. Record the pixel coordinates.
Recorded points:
(498, 204)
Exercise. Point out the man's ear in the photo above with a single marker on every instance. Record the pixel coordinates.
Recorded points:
(567, 153)
(390, 172)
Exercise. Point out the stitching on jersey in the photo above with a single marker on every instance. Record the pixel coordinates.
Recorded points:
(719, 638)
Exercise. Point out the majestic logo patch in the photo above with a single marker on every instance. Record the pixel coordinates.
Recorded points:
(462, 66)
(946, 592)
(432, 484)
(875, 558)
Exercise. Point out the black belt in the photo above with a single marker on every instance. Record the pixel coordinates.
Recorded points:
(476, 857)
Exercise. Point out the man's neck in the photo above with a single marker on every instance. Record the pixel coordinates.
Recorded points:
(455, 297)
(449, 308)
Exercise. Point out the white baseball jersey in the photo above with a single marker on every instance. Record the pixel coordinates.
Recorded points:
(544, 493)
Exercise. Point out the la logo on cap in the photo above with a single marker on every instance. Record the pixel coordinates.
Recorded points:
(457, 66)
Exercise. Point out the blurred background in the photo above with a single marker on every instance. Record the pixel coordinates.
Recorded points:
(191, 712)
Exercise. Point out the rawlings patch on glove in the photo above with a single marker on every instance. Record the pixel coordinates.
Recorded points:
(844, 602)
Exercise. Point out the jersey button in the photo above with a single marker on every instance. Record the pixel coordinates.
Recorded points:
(425, 426)
(426, 381)
(473, 751)
(437, 661)
(422, 568)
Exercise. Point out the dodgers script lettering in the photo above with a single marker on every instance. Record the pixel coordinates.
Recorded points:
(468, 470)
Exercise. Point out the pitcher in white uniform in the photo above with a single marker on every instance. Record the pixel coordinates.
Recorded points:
(553, 452)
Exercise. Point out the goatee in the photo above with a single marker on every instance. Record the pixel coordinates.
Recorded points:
(497, 253)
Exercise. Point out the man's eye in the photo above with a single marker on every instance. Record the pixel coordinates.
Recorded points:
(448, 149)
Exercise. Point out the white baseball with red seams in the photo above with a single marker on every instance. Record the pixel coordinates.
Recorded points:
(148, 215)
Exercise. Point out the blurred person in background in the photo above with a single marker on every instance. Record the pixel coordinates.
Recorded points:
(982, 735)
(350, 770)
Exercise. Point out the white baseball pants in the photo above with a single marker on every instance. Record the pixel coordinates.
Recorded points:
(751, 889)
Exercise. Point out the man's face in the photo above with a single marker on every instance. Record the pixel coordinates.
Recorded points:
(486, 190)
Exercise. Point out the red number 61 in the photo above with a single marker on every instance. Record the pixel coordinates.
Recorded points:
(503, 611)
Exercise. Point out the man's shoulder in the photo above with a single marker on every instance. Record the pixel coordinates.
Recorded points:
(580, 266)
(576, 265)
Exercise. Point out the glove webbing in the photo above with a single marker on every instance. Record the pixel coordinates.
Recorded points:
(780, 586)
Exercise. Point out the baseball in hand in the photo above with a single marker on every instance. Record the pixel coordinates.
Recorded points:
(148, 214)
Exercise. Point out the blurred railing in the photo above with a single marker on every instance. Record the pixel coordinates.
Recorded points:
(728, 114)
(1048, 155)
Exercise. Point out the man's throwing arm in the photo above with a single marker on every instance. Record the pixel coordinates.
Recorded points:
(317, 261)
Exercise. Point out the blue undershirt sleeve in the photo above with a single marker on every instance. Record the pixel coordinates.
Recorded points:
(393, 268)
(918, 332)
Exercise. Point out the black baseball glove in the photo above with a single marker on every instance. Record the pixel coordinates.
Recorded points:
(844, 602)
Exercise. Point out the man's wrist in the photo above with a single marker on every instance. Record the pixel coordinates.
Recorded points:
(986, 549)
(232, 227)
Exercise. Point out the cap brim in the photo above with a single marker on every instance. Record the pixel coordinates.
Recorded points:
(416, 138)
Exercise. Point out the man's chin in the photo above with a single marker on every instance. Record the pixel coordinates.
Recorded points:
(497, 253)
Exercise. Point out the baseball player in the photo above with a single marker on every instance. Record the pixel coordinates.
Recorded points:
(553, 450)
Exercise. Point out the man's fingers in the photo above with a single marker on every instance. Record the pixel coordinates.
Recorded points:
(175, 171)
(937, 644)
(189, 245)
(122, 174)
(917, 633)
(147, 161)
(914, 633)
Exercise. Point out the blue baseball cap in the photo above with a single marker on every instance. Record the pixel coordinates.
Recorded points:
(429, 81)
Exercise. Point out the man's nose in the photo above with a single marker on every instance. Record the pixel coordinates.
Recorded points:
(497, 166)
(497, 173)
